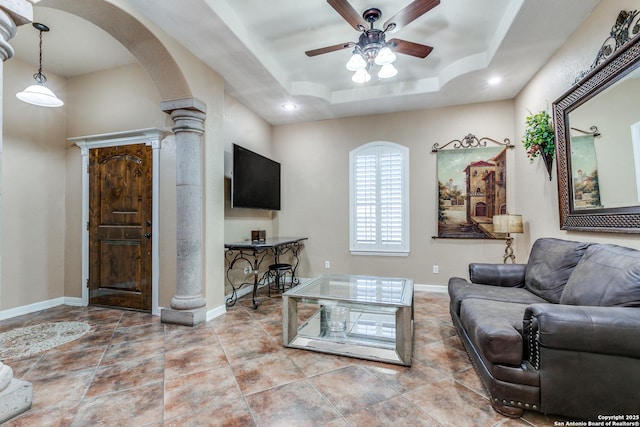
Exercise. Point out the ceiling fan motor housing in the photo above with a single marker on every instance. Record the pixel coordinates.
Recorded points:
(370, 42)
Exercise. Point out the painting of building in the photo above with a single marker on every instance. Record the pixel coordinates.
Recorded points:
(472, 189)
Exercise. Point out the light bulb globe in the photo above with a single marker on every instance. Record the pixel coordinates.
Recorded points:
(356, 62)
(361, 76)
(387, 71)
(385, 56)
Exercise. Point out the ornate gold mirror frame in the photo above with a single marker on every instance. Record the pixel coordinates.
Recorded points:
(619, 56)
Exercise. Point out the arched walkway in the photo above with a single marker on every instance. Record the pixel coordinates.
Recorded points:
(188, 305)
(142, 43)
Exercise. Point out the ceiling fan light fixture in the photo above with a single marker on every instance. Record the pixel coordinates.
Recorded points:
(361, 76)
(385, 56)
(39, 95)
(356, 62)
(387, 71)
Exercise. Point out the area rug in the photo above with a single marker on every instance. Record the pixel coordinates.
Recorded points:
(34, 339)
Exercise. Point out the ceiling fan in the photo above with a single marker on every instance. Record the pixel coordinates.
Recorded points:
(372, 46)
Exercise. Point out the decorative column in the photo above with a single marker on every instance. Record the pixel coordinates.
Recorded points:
(15, 395)
(188, 306)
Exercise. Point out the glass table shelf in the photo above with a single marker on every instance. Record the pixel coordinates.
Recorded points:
(357, 316)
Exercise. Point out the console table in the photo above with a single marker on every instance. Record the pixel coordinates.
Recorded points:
(252, 254)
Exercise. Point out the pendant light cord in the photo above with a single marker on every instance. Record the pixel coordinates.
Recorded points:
(39, 77)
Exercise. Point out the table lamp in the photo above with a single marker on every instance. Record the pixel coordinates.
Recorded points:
(508, 223)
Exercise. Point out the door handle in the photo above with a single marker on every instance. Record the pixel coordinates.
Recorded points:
(147, 235)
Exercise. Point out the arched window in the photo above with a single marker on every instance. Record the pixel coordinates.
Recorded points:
(379, 198)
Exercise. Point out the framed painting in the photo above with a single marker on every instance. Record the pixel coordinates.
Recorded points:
(584, 164)
(472, 187)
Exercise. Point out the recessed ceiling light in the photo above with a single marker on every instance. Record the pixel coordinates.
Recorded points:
(495, 80)
(289, 106)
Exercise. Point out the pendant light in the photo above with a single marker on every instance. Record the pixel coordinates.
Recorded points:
(38, 94)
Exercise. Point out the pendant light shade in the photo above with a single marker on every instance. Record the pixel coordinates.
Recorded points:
(38, 94)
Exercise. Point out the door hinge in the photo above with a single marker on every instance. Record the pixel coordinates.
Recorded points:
(87, 282)
(87, 225)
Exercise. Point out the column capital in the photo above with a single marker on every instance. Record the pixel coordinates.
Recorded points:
(7, 31)
(12, 14)
(188, 121)
(192, 104)
(20, 11)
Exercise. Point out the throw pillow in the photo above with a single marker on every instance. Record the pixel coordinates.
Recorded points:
(550, 264)
(607, 275)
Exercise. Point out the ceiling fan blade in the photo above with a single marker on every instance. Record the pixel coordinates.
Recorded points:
(349, 14)
(328, 49)
(411, 48)
(412, 11)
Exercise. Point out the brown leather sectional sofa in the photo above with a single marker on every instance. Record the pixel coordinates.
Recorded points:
(560, 334)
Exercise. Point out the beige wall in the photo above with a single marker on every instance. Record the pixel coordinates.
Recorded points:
(134, 103)
(243, 127)
(315, 188)
(120, 99)
(315, 172)
(33, 193)
(536, 196)
(42, 175)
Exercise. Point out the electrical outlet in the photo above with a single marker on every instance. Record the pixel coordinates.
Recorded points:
(247, 270)
(436, 269)
(327, 264)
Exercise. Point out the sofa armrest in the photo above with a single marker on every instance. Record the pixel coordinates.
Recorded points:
(506, 275)
(604, 330)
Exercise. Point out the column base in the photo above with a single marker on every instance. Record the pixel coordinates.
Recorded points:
(15, 399)
(191, 317)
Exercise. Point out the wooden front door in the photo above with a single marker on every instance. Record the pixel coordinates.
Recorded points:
(120, 190)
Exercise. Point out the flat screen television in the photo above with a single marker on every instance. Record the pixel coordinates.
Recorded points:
(255, 181)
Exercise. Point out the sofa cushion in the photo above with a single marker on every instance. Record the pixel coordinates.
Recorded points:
(607, 275)
(460, 290)
(550, 264)
(495, 328)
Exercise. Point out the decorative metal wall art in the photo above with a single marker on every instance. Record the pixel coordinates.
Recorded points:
(472, 187)
(626, 27)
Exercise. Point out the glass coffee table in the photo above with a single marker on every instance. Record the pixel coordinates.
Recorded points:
(357, 316)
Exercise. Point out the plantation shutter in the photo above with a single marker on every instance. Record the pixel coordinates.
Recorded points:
(379, 198)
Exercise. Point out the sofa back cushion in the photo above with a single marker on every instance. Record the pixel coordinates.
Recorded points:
(550, 264)
(607, 275)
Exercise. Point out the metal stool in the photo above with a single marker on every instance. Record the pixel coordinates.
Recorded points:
(279, 272)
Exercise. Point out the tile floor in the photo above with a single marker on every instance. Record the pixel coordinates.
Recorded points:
(131, 370)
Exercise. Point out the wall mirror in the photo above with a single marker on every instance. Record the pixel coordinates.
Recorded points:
(597, 127)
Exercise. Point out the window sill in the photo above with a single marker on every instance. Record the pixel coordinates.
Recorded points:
(378, 253)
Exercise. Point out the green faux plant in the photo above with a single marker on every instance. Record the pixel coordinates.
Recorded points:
(538, 136)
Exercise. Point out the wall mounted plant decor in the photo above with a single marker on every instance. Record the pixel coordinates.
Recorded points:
(539, 138)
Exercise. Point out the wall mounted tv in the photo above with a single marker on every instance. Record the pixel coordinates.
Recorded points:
(255, 181)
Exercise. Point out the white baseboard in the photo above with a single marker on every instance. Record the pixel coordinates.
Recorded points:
(38, 306)
(211, 314)
(431, 288)
(218, 311)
